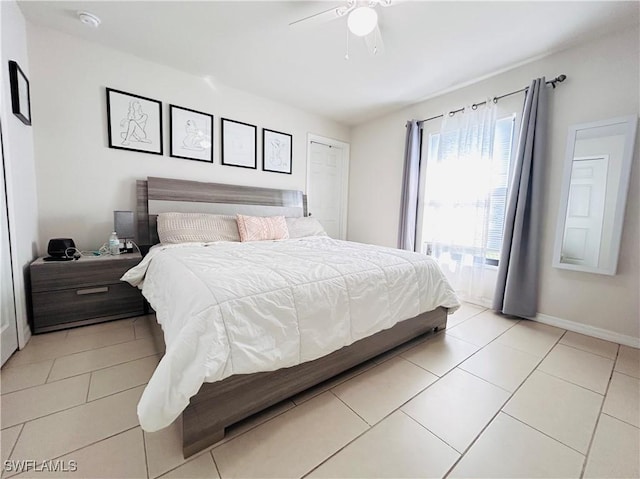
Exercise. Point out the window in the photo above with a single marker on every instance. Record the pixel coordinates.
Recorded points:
(466, 184)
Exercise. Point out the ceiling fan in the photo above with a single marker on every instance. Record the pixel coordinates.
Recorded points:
(362, 21)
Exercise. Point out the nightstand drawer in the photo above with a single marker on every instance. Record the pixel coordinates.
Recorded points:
(70, 305)
(86, 272)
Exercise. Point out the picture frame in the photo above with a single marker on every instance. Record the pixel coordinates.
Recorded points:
(134, 122)
(277, 151)
(20, 93)
(239, 142)
(191, 134)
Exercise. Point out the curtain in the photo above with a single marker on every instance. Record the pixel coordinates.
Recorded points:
(460, 179)
(517, 284)
(410, 186)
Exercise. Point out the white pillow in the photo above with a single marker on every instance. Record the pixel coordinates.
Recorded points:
(196, 227)
(302, 226)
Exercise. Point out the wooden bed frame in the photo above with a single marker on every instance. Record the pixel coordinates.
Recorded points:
(220, 404)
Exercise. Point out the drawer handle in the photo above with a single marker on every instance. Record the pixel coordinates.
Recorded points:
(104, 289)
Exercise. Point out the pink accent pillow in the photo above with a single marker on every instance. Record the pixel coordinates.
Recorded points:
(260, 228)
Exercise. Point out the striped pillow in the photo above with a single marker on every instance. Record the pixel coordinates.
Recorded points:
(261, 228)
(196, 227)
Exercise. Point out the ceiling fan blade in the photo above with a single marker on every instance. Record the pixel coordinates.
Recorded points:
(322, 17)
(374, 42)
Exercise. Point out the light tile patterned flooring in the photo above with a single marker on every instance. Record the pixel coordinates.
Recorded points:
(490, 397)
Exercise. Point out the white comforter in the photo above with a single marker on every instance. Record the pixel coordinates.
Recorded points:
(237, 308)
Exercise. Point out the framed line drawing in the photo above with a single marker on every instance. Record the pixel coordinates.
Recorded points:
(20, 94)
(277, 153)
(239, 144)
(134, 122)
(191, 134)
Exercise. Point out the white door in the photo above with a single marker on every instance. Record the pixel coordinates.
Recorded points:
(585, 212)
(326, 188)
(8, 335)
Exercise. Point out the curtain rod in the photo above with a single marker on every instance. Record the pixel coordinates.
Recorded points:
(558, 79)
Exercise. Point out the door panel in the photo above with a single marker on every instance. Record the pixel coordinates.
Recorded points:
(326, 185)
(585, 212)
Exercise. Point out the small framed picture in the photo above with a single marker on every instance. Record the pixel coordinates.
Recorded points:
(191, 134)
(20, 95)
(277, 154)
(134, 122)
(239, 144)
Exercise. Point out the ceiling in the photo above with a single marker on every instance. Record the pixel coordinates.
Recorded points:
(429, 46)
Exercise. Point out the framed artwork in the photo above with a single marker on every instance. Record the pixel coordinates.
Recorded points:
(134, 122)
(239, 144)
(277, 154)
(20, 95)
(191, 134)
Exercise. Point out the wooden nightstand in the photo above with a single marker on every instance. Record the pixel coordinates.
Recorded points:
(74, 293)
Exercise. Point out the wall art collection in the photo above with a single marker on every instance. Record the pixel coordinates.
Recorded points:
(134, 123)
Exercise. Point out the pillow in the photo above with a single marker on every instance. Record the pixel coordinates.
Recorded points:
(260, 228)
(196, 227)
(304, 226)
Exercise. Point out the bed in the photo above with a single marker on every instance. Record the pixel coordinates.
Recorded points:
(272, 277)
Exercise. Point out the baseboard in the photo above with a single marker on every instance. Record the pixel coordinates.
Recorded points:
(589, 330)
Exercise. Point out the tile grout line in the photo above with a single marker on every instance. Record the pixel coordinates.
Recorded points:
(49, 373)
(591, 352)
(595, 426)
(350, 408)
(94, 348)
(370, 426)
(625, 374)
(86, 399)
(144, 448)
(621, 420)
(335, 385)
(80, 374)
(215, 464)
(503, 405)
(575, 384)
(428, 430)
(545, 434)
(75, 406)
(15, 444)
(90, 444)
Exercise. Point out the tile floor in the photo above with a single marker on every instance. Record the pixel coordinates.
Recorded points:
(489, 397)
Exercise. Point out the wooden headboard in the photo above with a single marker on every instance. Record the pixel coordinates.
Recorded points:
(162, 195)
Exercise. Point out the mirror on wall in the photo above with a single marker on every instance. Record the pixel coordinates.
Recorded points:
(594, 193)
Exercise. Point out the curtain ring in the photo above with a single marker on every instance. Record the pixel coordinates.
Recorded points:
(495, 99)
(474, 107)
(451, 113)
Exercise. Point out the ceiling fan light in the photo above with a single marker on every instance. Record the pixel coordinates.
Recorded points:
(362, 21)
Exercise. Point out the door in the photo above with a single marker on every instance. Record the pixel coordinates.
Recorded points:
(326, 187)
(585, 211)
(8, 333)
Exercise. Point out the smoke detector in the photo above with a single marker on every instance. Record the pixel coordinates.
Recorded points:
(89, 19)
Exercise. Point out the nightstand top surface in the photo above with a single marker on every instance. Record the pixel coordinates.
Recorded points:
(87, 259)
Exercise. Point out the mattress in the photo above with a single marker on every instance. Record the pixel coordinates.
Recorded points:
(238, 308)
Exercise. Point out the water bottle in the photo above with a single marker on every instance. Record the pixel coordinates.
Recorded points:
(114, 244)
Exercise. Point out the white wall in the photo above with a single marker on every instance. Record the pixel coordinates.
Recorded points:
(81, 181)
(603, 79)
(19, 165)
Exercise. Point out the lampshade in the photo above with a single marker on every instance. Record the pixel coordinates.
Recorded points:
(362, 21)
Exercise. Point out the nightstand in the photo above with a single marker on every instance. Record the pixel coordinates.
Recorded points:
(85, 291)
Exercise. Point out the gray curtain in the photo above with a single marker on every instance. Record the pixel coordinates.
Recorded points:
(410, 184)
(517, 285)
